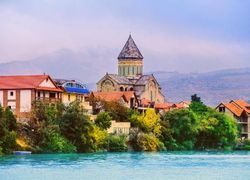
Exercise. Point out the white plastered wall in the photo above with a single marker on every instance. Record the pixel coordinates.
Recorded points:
(25, 100)
(47, 83)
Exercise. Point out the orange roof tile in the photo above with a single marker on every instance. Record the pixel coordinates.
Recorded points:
(178, 105)
(242, 104)
(110, 96)
(233, 108)
(163, 105)
(128, 94)
(145, 102)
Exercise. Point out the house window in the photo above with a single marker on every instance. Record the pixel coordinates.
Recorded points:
(11, 93)
(69, 97)
(221, 109)
(39, 94)
(123, 71)
(52, 95)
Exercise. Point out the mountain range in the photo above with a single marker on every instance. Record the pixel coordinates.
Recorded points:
(88, 67)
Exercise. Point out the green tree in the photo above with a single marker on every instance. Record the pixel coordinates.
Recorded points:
(149, 122)
(103, 120)
(95, 140)
(45, 130)
(216, 130)
(117, 143)
(197, 105)
(116, 110)
(7, 131)
(54, 142)
(76, 126)
(179, 129)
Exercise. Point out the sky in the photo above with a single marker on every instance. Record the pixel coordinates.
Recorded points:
(184, 35)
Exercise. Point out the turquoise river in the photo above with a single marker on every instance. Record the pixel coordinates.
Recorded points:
(163, 165)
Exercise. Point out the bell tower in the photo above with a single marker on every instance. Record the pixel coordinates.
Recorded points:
(130, 60)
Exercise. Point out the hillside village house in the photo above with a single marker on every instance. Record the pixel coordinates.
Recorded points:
(165, 107)
(130, 76)
(72, 91)
(19, 92)
(128, 98)
(240, 111)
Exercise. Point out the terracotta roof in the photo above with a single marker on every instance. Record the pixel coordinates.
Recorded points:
(145, 102)
(242, 104)
(178, 105)
(110, 96)
(163, 105)
(233, 108)
(25, 82)
(129, 94)
(130, 51)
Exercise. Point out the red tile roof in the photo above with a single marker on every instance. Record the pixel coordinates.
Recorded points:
(242, 104)
(129, 94)
(178, 105)
(163, 105)
(25, 82)
(237, 107)
(110, 96)
(145, 102)
(233, 108)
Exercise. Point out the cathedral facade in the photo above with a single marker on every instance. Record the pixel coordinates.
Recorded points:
(130, 76)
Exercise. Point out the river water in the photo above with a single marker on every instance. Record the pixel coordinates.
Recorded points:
(163, 165)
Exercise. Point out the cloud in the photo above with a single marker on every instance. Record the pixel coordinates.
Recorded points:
(182, 43)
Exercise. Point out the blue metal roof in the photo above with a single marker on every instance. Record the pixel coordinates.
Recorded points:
(77, 90)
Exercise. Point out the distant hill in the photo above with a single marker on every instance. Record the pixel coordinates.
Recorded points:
(213, 87)
(90, 66)
(87, 66)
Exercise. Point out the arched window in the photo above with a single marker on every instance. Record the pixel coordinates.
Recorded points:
(126, 89)
(121, 89)
(131, 89)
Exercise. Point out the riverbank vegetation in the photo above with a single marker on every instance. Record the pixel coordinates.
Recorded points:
(68, 129)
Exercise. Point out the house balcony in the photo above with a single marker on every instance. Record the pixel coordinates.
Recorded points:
(48, 100)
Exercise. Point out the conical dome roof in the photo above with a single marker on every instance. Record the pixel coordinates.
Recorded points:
(130, 51)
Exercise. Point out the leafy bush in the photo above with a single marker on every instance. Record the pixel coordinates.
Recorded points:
(8, 142)
(7, 131)
(148, 142)
(54, 142)
(95, 139)
(103, 120)
(117, 143)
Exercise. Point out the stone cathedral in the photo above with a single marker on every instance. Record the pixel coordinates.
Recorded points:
(130, 76)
